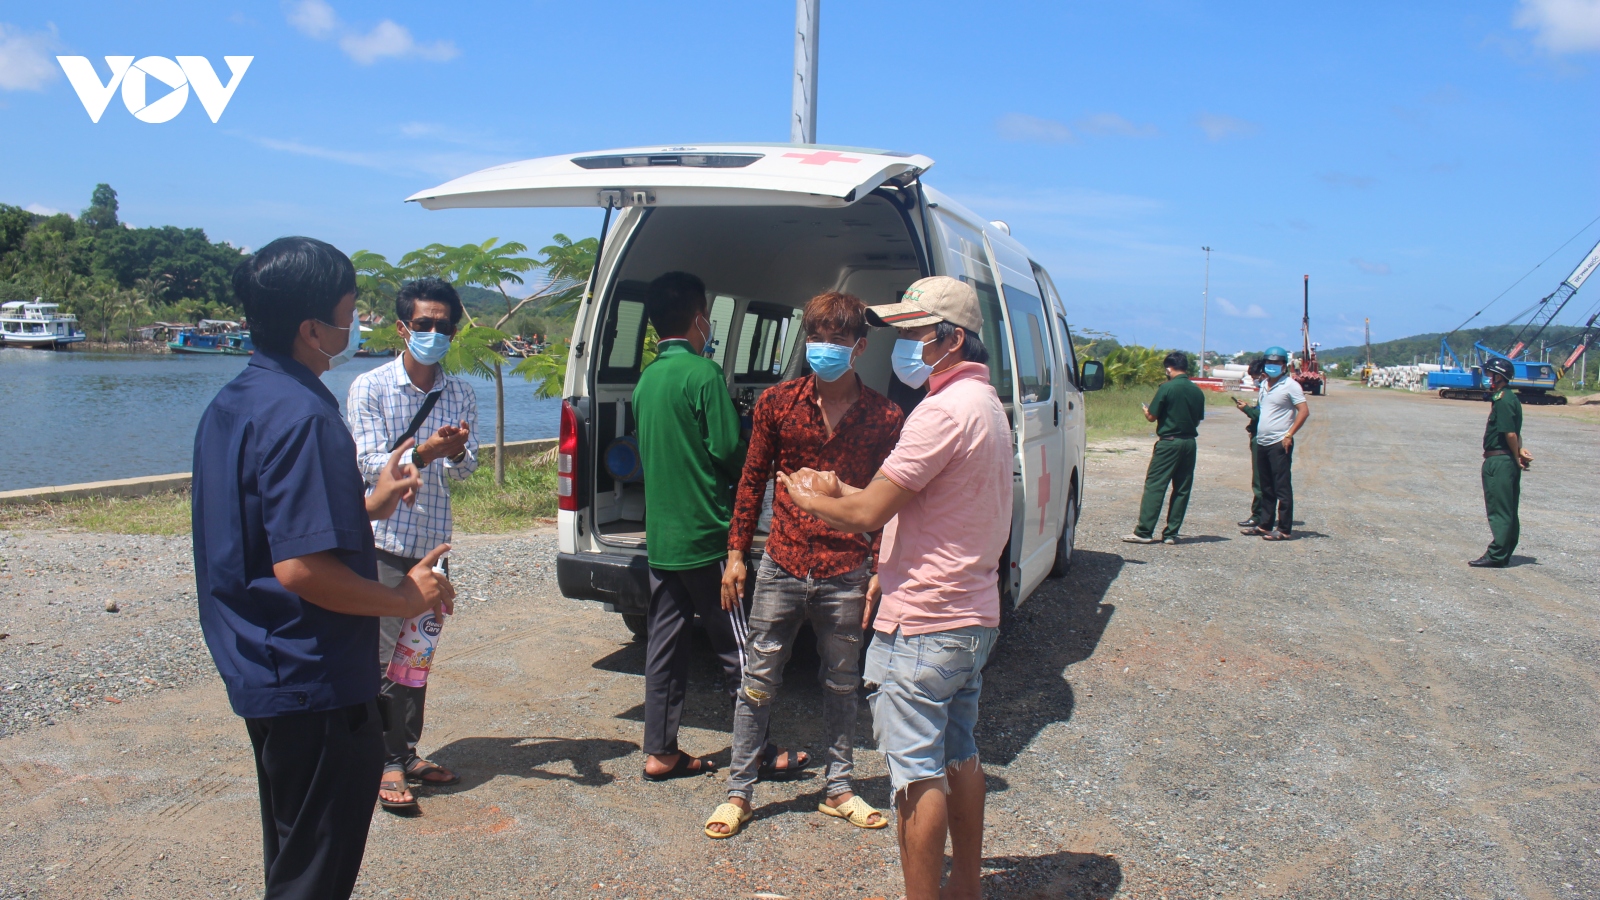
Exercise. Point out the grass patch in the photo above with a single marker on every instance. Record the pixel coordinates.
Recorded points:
(1115, 411)
(529, 495)
(166, 513)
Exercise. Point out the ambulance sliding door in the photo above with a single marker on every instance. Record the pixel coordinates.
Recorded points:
(967, 258)
(1044, 473)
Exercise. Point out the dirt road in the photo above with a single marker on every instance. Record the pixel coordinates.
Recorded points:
(1353, 714)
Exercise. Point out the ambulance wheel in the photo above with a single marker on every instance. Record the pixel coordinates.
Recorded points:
(1069, 536)
(638, 625)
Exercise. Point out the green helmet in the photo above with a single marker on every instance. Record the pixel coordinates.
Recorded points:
(1276, 355)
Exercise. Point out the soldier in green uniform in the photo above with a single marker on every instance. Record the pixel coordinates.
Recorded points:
(1177, 409)
(1504, 460)
(1253, 413)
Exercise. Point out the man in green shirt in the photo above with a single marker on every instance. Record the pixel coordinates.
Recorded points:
(692, 454)
(1177, 410)
(1504, 460)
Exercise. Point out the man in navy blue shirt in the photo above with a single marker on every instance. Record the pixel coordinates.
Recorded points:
(286, 570)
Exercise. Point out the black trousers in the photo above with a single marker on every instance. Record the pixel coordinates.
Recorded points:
(1273, 462)
(406, 705)
(675, 598)
(318, 776)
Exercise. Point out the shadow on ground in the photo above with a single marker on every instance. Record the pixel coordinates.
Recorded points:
(479, 759)
(1054, 876)
(1025, 686)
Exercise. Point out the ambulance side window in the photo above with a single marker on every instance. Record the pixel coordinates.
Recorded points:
(622, 342)
(1028, 327)
(968, 261)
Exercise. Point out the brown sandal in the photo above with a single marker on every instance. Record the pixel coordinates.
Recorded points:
(431, 774)
(395, 783)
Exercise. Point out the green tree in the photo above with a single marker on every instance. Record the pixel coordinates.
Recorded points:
(377, 283)
(102, 211)
(132, 304)
(548, 369)
(493, 265)
(571, 260)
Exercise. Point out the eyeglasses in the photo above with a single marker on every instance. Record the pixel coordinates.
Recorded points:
(424, 323)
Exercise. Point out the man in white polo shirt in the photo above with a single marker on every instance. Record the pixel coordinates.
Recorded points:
(943, 499)
(1283, 412)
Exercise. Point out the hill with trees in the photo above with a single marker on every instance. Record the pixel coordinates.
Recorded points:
(1425, 347)
(112, 275)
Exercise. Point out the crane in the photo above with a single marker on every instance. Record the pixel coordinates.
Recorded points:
(1309, 372)
(1551, 305)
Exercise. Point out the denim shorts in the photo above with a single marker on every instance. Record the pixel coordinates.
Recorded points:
(925, 699)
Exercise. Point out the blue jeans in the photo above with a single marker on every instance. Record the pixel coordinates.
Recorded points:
(781, 604)
(925, 704)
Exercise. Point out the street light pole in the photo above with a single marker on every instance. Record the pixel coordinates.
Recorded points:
(803, 117)
(1205, 305)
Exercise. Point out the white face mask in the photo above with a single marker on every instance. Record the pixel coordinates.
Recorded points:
(906, 359)
(351, 345)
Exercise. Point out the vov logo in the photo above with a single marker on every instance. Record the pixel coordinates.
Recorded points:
(134, 79)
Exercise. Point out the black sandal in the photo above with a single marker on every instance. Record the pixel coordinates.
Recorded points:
(684, 768)
(794, 763)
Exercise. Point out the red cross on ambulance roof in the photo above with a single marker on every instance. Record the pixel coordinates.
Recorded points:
(821, 158)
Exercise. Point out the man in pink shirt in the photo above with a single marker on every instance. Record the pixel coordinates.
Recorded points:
(943, 499)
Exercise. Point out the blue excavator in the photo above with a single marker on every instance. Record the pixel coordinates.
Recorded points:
(1533, 380)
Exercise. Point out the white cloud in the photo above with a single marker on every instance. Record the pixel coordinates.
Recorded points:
(1561, 26)
(388, 39)
(1113, 124)
(1371, 268)
(25, 63)
(40, 209)
(391, 39)
(437, 164)
(313, 18)
(1219, 127)
(1253, 311)
(1023, 127)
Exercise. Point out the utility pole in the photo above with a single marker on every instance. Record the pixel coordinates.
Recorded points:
(803, 119)
(1205, 306)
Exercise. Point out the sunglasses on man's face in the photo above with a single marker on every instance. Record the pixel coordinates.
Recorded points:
(424, 323)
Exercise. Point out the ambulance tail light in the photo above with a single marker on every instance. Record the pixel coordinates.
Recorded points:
(567, 459)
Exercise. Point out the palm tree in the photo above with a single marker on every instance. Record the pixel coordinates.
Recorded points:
(569, 259)
(377, 283)
(493, 265)
(132, 304)
(549, 369)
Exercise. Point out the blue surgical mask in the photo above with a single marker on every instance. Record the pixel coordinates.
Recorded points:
(428, 347)
(1273, 370)
(351, 345)
(907, 361)
(829, 361)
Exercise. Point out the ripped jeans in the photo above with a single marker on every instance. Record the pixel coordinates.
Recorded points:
(781, 604)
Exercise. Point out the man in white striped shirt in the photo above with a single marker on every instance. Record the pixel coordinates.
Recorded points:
(382, 409)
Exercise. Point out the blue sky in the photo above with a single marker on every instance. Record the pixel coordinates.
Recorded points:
(1414, 159)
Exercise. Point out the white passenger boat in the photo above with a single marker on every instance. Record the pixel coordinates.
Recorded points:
(37, 324)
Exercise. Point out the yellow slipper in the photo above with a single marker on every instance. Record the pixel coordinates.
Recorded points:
(856, 811)
(731, 816)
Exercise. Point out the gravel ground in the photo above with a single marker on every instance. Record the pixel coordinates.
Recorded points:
(1353, 714)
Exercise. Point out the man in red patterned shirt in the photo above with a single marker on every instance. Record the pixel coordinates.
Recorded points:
(827, 421)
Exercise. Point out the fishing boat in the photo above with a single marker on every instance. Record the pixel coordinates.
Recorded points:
(197, 342)
(213, 337)
(37, 324)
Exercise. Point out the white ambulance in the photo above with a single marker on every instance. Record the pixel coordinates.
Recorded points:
(767, 227)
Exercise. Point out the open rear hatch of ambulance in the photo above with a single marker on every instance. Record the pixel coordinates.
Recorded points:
(703, 175)
(858, 195)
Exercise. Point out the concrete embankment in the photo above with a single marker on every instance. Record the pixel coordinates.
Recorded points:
(179, 481)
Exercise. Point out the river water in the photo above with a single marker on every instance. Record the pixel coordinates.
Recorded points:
(73, 416)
